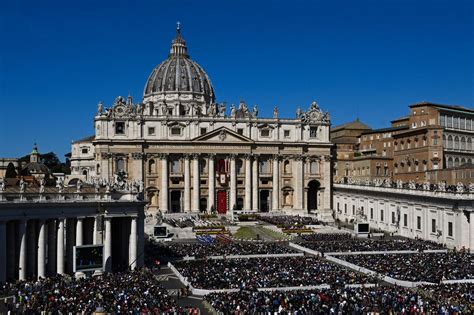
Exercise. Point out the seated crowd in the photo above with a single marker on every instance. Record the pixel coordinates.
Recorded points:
(127, 292)
(429, 267)
(379, 300)
(267, 273)
(332, 243)
(178, 250)
(287, 221)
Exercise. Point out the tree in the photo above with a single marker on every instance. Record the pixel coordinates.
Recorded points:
(10, 172)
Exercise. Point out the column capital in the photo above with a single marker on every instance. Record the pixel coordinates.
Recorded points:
(211, 155)
(277, 157)
(327, 158)
(233, 156)
(162, 156)
(298, 157)
(248, 156)
(187, 156)
(138, 155)
(195, 156)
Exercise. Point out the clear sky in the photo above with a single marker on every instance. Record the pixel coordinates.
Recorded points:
(366, 59)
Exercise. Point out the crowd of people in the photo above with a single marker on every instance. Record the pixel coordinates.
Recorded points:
(133, 292)
(346, 243)
(287, 221)
(378, 300)
(429, 267)
(176, 250)
(267, 273)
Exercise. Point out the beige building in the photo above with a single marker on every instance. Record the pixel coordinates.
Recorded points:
(193, 154)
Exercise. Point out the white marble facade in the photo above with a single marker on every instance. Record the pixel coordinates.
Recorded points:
(196, 155)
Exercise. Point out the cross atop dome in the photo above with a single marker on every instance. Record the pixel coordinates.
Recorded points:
(178, 46)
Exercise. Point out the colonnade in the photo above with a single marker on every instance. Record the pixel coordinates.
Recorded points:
(40, 247)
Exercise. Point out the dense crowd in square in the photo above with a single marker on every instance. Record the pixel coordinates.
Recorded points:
(445, 299)
(429, 267)
(287, 221)
(134, 292)
(347, 243)
(267, 273)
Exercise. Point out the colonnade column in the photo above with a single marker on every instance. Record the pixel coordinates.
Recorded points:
(164, 183)
(22, 259)
(60, 248)
(233, 183)
(79, 232)
(187, 184)
(327, 182)
(471, 236)
(298, 196)
(108, 244)
(212, 182)
(248, 182)
(255, 182)
(275, 184)
(41, 249)
(132, 258)
(3, 251)
(196, 182)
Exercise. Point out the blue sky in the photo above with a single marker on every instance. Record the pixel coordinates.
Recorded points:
(366, 59)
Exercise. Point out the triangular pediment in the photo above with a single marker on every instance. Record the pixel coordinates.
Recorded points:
(222, 134)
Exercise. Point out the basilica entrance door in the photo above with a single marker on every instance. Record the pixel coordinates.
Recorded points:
(221, 201)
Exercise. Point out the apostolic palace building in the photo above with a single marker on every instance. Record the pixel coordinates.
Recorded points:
(194, 154)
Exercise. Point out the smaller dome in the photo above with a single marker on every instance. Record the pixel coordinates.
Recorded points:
(178, 74)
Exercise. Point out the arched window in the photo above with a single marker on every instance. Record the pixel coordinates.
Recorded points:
(151, 166)
(463, 161)
(97, 169)
(444, 141)
(463, 143)
(450, 142)
(456, 143)
(450, 162)
(456, 162)
(313, 167)
(469, 144)
(120, 165)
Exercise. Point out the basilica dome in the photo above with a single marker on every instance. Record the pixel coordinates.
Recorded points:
(178, 74)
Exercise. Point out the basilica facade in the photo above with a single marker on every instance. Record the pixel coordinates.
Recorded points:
(193, 154)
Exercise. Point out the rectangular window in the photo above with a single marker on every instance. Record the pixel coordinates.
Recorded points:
(338, 206)
(85, 150)
(405, 219)
(442, 120)
(345, 208)
(151, 131)
(313, 131)
(371, 213)
(433, 225)
(119, 128)
(450, 229)
(393, 217)
(353, 210)
(265, 133)
(176, 131)
(240, 131)
(418, 222)
(286, 133)
(203, 131)
(381, 215)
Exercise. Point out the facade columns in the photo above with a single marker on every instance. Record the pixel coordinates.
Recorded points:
(164, 183)
(60, 248)
(248, 182)
(3, 251)
(212, 182)
(327, 182)
(41, 249)
(22, 225)
(471, 236)
(196, 182)
(233, 183)
(298, 183)
(133, 243)
(275, 184)
(255, 182)
(108, 244)
(187, 184)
